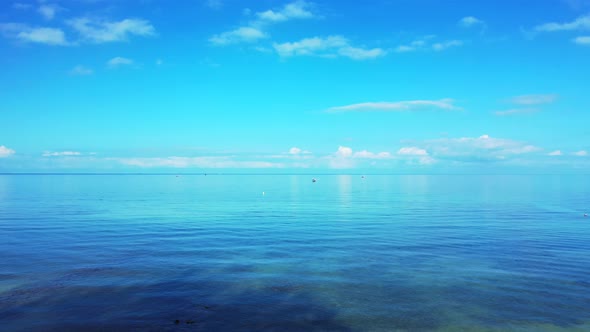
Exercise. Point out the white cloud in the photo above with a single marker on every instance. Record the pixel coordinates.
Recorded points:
(48, 11)
(446, 104)
(239, 35)
(310, 46)
(5, 152)
(341, 158)
(102, 31)
(61, 154)
(534, 99)
(426, 44)
(371, 155)
(356, 53)
(196, 162)
(405, 48)
(446, 45)
(414, 155)
(294, 10)
(582, 40)
(344, 157)
(255, 30)
(119, 61)
(344, 151)
(581, 23)
(412, 151)
(332, 46)
(522, 149)
(293, 153)
(477, 149)
(414, 46)
(581, 153)
(81, 70)
(516, 111)
(470, 21)
(555, 153)
(49, 36)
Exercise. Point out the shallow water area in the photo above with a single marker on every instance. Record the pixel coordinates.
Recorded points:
(346, 253)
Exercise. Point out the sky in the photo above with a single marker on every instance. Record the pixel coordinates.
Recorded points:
(296, 86)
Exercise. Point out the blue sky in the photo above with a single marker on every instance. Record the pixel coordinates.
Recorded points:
(393, 86)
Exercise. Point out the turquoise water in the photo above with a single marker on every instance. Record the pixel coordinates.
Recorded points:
(213, 253)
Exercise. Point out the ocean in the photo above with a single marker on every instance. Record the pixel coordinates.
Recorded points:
(282, 253)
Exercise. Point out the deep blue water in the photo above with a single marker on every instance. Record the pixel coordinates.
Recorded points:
(383, 253)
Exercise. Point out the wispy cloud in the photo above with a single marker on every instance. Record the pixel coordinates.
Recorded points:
(295, 10)
(516, 111)
(255, 30)
(239, 35)
(405, 48)
(61, 154)
(581, 23)
(357, 53)
(343, 151)
(581, 153)
(397, 106)
(48, 11)
(415, 155)
(446, 45)
(119, 61)
(364, 154)
(5, 152)
(477, 149)
(103, 31)
(412, 151)
(81, 71)
(582, 40)
(25, 33)
(419, 44)
(295, 151)
(555, 153)
(332, 46)
(344, 157)
(297, 156)
(310, 46)
(427, 44)
(470, 21)
(195, 162)
(49, 36)
(534, 99)
(525, 104)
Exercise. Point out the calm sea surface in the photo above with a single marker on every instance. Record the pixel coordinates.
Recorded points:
(213, 253)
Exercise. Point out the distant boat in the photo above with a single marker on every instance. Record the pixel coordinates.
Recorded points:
(314, 180)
